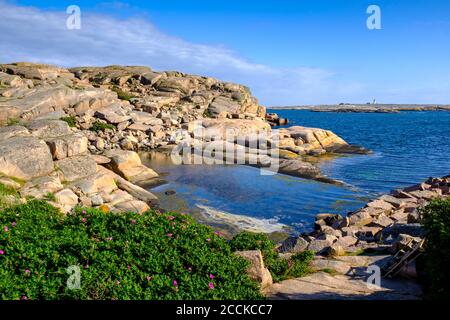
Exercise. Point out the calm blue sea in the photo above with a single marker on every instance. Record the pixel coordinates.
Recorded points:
(407, 147)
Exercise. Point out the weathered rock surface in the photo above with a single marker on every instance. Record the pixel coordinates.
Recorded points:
(129, 166)
(68, 146)
(76, 168)
(256, 270)
(48, 128)
(323, 286)
(41, 187)
(25, 158)
(13, 131)
(66, 199)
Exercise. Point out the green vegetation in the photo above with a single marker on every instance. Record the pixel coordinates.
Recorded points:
(207, 114)
(12, 121)
(436, 220)
(331, 272)
(120, 256)
(8, 196)
(50, 197)
(71, 121)
(296, 266)
(356, 253)
(7, 191)
(100, 126)
(122, 94)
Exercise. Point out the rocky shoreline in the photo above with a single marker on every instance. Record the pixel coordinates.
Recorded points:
(71, 136)
(80, 130)
(367, 108)
(379, 234)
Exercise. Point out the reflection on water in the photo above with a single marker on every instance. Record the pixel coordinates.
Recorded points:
(272, 202)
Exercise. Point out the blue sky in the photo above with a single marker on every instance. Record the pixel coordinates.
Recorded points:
(287, 52)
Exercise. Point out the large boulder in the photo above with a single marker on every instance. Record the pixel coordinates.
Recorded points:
(49, 128)
(76, 168)
(293, 245)
(223, 104)
(180, 85)
(117, 75)
(134, 190)
(129, 166)
(13, 131)
(298, 168)
(36, 71)
(68, 146)
(136, 206)
(221, 129)
(101, 182)
(66, 200)
(257, 271)
(314, 138)
(25, 158)
(41, 187)
(113, 114)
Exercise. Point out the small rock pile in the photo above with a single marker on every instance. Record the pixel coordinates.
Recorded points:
(381, 226)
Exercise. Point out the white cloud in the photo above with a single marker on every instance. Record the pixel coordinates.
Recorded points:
(31, 34)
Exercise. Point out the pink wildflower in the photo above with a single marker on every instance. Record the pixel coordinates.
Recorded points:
(175, 283)
(211, 286)
(149, 278)
(209, 239)
(6, 229)
(133, 221)
(83, 212)
(170, 235)
(27, 271)
(83, 220)
(24, 297)
(211, 276)
(2, 252)
(14, 223)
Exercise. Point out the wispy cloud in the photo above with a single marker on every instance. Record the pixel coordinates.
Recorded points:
(32, 34)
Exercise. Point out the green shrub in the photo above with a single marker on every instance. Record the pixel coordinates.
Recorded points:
(8, 196)
(7, 191)
(296, 266)
(122, 94)
(100, 126)
(71, 121)
(49, 197)
(436, 220)
(121, 256)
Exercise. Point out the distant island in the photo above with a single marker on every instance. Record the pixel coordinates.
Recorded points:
(369, 107)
